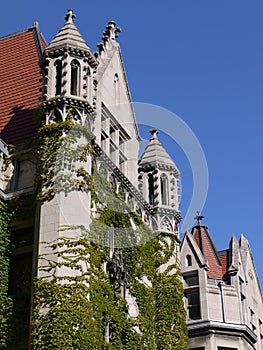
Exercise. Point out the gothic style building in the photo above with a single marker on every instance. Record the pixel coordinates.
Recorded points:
(222, 292)
(66, 78)
(65, 83)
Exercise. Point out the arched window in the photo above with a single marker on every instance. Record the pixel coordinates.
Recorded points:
(188, 260)
(164, 189)
(74, 82)
(116, 89)
(151, 189)
(58, 65)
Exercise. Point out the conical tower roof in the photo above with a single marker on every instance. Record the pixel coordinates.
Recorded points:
(156, 154)
(69, 36)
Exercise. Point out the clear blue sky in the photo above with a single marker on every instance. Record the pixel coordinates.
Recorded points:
(203, 60)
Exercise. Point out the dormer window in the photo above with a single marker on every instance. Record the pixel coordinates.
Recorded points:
(74, 82)
(58, 65)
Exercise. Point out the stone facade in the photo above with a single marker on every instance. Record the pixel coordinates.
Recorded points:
(92, 87)
(222, 293)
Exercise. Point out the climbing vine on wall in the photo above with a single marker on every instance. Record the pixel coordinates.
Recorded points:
(77, 306)
(6, 213)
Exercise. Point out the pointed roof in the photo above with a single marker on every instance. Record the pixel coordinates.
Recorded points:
(156, 154)
(207, 246)
(20, 84)
(69, 35)
(218, 261)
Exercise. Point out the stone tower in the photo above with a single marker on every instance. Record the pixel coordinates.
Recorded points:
(159, 184)
(68, 67)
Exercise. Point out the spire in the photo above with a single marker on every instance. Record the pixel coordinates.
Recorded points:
(154, 133)
(70, 16)
(155, 153)
(199, 218)
(68, 36)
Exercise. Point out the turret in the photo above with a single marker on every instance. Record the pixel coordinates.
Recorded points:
(159, 183)
(68, 67)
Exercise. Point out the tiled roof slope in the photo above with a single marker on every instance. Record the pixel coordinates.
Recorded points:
(19, 84)
(218, 261)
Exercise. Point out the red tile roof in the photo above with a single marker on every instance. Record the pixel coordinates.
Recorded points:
(225, 265)
(19, 84)
(218, 262)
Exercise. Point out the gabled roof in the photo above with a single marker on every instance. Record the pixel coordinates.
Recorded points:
(155, 154)
(190, 241)
(20, 84)
(217, 261)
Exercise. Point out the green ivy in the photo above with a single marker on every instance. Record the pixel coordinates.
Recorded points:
(6, 213)
(76, 304)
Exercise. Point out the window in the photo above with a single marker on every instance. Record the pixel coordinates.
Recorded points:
(252, 320)
(74, 82)
(164, 189)
(151, 189)
(58, 66)
(191, 280)
(193, 305)
(116, 89)
(188, 260)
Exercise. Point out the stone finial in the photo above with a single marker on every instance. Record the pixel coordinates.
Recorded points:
(111, 31)
(199, 217)
(35, 25)
(154, 133)
(70, 16)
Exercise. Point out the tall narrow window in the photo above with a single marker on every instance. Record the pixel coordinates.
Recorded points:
(164, 189)
(193, 305)
(116, 89)
(188, 260)
(58, 66)
(151, 189)
(74, 83)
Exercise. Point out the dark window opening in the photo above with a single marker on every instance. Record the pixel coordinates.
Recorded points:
(74, 83)
(193, 305)
(20, 291)
(151, 189)
(188, 260)
(58, 65)
(191, 280)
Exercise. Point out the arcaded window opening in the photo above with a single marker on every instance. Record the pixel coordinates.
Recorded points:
(74, 83)
(164, 189)
(58, 65)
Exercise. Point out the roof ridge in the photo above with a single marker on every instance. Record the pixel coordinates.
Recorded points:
(38, 36)
(16, 33)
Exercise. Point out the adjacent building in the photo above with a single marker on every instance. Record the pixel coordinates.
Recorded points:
(222, 293)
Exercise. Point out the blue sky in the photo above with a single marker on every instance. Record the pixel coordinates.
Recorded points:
(202, 60)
